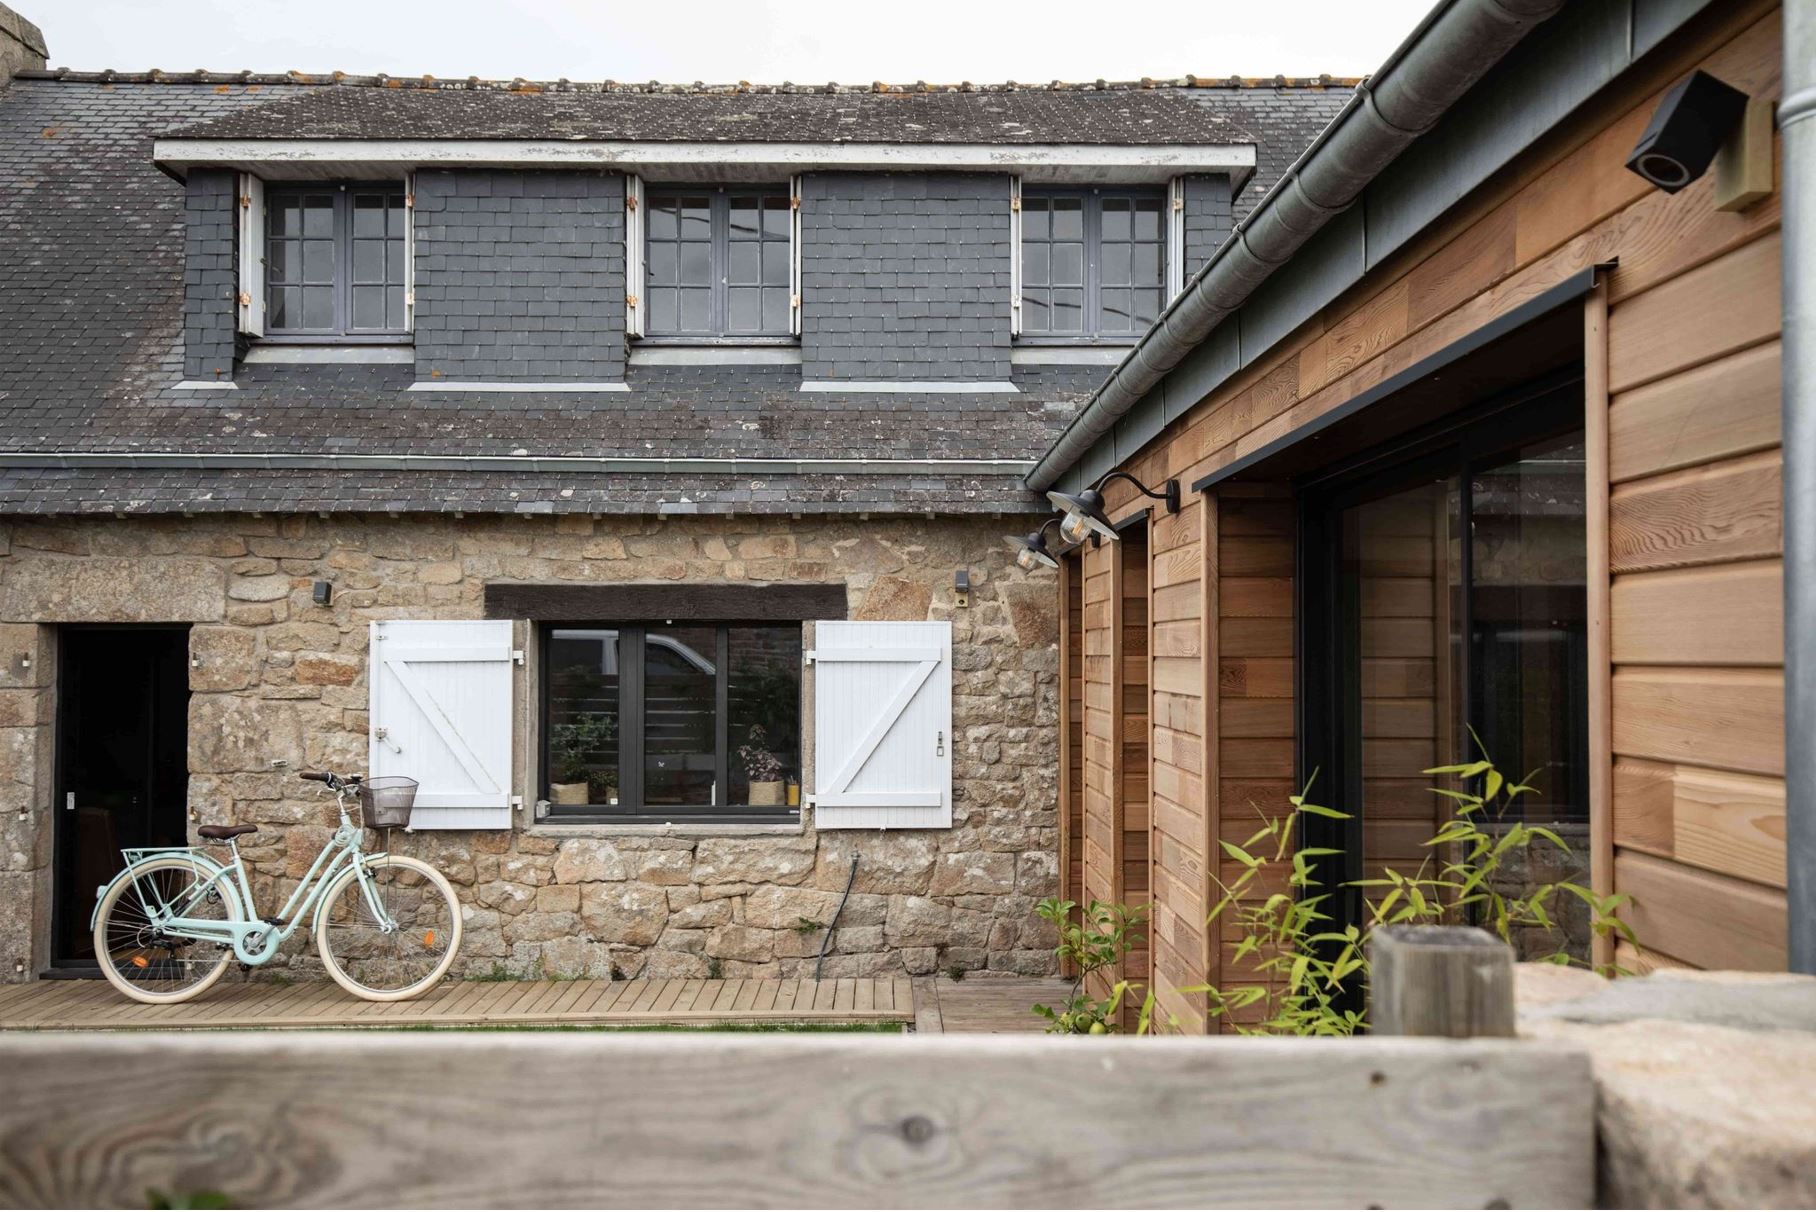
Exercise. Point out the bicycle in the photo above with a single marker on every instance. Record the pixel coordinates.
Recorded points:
(387, 926)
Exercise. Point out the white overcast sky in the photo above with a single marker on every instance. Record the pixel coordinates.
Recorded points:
(717, 41)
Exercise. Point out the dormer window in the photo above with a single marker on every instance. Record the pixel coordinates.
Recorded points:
(335, 261)
(1094, 262)
(717, 261)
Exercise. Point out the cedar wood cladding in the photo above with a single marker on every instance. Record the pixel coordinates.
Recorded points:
(688, 601)
(1694, 686)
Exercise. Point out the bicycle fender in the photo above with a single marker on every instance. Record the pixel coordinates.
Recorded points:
(209, 867)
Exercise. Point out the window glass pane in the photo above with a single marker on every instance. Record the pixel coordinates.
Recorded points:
(664, 309)
(1116, 219)
(281, 263)
(746, 308)
(394, 261)
(696, 310)
(285, 307)
(318, 215)
(1068, 310)
(394, 308)
(663, 221)
(1034, 219)
(368, 261)
(1147, 218)
(368, 307)
(745, 218)
(764, 700)
(1147, 308)
(696, 219)
(775, 263)
(396, 217)
(1035, 261)
(775, 217)
(696, 264)
(680, 715)
(284, 216)
(318, 307)
(1145, 263)
(1116, 265)
(1034, 314)
(1115, 309)
(368, 215)
(746, 266)
(1068, 218)
(663, 264)
(1068, 264)
(775, 310)
(318, 261)
(582, 739)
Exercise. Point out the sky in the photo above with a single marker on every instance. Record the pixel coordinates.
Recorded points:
(720, 41)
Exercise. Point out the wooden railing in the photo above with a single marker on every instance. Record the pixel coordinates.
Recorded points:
(452, 1119)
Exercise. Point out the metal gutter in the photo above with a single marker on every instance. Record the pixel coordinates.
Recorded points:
(555, 464)
(1427, 74)
(1797, 125)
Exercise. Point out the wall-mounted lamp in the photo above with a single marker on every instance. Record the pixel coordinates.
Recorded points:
(323, 593)
(961, 586)
(1689, 126)
(1084, 512)
(1031, 550)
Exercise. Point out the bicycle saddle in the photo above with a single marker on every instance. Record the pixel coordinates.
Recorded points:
(220, 833)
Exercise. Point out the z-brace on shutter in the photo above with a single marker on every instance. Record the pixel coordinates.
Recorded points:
(441, 714)
(882, 730)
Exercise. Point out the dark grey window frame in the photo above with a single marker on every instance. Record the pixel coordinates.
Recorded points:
(630, 809)
(1093, 198)
(342, 332)
(719, 330)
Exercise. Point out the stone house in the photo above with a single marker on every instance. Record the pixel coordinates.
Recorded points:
(538, 442)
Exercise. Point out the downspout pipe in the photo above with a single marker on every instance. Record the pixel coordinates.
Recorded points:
(1422, 79)
(1797, 126)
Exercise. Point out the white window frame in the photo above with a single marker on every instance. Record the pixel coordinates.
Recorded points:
(633, 255)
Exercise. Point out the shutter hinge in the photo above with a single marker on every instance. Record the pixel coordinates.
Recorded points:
(410, 297)
(630, 300)
(245, 299)
(794, 301)
(410, 201)
(517, 802)
(794, 202)
(630, 201)
(1179, 202)
(1014, 203)
(808, 656)
(246, 201)
(516, 656)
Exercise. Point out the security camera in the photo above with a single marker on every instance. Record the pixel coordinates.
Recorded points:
(1687, 129)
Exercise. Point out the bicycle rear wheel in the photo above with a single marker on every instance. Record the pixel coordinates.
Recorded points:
(147, 964)
(389, 964)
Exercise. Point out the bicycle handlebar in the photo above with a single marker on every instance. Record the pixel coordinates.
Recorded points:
(334, 781)
(314, 776)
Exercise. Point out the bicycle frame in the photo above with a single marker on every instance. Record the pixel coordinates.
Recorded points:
(256, 939)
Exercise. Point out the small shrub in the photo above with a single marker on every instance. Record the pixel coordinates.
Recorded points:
(715, 969)
(955, 972)
(1098, 938)
(806, 925)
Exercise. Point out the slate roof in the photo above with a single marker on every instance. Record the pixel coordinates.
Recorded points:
(1036, 116)
(91, 265)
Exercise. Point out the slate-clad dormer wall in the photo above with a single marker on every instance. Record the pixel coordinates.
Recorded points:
(210, 279)
(519, 276)
(1207, 219)
(905, 277)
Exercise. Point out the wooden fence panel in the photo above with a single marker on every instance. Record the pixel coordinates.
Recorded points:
(462, 1120)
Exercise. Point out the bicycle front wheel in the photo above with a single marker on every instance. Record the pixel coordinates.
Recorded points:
(144, 962)
(396, 941)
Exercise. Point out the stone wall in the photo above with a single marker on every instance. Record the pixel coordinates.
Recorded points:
(277, 678)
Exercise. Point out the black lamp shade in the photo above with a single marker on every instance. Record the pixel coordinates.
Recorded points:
(1084, 515)
(1031, 551)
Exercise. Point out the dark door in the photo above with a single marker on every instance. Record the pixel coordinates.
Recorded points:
(122, 763)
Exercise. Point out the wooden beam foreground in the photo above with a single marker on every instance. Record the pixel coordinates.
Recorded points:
(362, 1119)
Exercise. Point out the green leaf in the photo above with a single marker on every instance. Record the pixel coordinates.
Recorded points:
(1239, 854)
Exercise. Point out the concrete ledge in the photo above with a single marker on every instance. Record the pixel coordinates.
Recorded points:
(434, 385)
(934, 386)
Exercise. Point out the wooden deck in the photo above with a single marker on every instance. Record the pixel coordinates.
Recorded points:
(95, 1005)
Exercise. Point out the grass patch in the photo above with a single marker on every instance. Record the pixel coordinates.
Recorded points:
(839, 1028)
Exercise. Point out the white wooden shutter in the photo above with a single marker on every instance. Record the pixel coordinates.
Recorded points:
(441, 714)
(252, 255)
(1175, 237)
(636, 284)
(882, 725)
(1015, 256)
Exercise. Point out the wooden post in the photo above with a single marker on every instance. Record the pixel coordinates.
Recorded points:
(1455, 981)
(1598, 597)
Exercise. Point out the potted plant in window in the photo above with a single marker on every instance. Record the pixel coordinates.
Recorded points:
(573, 749)
(763, 767)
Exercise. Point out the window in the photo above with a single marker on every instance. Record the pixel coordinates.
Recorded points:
(1093, 262)
(663, 722)
(335, 261)
(717, 262)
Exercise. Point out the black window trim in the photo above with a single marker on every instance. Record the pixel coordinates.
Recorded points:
(718, 268)
(342, 333)
(630, 810)
(1092, 212)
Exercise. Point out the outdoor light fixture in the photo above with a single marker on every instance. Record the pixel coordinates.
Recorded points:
(1084, 512)
(1687, 129)
(1031, 550)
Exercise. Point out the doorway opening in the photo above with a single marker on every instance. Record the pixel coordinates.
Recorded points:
(122, 766)
(1444, 597)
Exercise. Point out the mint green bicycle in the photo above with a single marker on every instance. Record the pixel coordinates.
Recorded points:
(387, 926)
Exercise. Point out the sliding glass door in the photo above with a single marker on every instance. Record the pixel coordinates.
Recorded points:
(1445, 620)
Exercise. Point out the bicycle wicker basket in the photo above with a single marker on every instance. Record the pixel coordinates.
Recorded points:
(385, 802)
